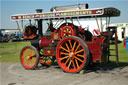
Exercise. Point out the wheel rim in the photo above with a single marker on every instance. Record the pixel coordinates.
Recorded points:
(71, 55)
(67, 31)
(28, 57)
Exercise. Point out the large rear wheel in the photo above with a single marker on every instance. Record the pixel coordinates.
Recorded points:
(29, 57)
(72, 54)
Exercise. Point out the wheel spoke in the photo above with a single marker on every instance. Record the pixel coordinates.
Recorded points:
(25, 59)
(28, 51)
(69, 31)
(73, 64)
(74, 45)
(31, 52)
(67, 60)
(31, 62)
(79, 51)
(34, 58)
(64, 49)
(64, 58)
(80, 55)
(67, 46)
(78, 59)
(70, 43)
(24, 56)
(64, 53)
(69, 64)
(77, 63)
(49, 57)
(77, 47)
(27, 62)
(46, 60)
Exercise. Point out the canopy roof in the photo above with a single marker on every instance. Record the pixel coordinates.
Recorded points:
(86, 13)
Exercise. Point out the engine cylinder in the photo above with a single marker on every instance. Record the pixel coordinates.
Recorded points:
(45, 42)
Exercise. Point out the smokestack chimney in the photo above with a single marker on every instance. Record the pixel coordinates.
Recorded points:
(39, 10)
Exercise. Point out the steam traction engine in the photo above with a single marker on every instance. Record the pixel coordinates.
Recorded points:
(72, 46)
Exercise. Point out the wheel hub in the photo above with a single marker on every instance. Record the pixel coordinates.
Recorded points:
(28, 57)
(71, 54)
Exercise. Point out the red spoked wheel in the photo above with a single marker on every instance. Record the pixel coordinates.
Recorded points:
(46, 60)
(66, 30)
(72, 54)
(29, 57)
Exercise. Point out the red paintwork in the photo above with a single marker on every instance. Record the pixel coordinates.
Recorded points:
(44, 42)
(97, 32)
(81, 30)
(95, 48)
(54, 36)
(49, 52)
(47, 62)
(124, 43)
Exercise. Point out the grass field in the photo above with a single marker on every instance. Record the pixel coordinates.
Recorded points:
(10, 52)
(123, 54)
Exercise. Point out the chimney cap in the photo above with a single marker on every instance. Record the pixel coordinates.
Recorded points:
(39, 10)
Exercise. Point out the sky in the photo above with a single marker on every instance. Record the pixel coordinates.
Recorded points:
(11, 7)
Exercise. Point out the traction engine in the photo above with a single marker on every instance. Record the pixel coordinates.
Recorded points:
(73, 47)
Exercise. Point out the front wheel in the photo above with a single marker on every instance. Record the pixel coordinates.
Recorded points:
(72, 54)
(29, 57)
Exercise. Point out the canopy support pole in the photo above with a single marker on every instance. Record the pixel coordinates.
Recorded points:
(18, 26)
(22, 25)
(79, 22)
(101, 24)
(40, 31)
(109, 21)
(97, 23)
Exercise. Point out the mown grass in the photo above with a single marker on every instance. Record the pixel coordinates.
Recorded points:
(10, 52)
(122, 53)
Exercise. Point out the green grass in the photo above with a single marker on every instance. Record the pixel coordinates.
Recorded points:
(10, 51)
(122, 53)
